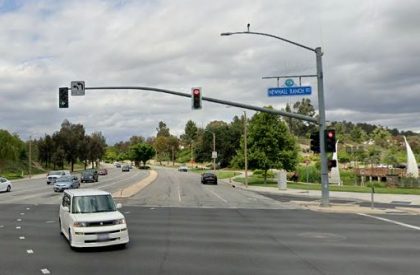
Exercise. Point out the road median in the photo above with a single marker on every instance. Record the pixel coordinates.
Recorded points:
(133, 189)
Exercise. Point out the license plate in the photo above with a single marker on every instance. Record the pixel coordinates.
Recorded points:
(102, 237)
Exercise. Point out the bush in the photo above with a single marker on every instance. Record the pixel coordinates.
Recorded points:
(309, 173)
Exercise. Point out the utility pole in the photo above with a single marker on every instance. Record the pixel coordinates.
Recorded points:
(214, 150)
(30, 157)
(245, 150)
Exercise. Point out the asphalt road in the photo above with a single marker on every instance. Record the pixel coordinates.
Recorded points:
(37, 191)
(178, 226)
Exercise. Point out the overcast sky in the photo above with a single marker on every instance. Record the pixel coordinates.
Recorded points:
(371, 61)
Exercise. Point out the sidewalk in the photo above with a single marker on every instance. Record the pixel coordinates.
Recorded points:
(343, 202)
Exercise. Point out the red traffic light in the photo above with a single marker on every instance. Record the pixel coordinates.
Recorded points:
(330, 140)
(196, 98)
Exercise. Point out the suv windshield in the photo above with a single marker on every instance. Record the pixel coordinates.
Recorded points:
(93, 204)
(55, 173)
(63, 179)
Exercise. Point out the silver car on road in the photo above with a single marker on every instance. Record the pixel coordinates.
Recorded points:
(66, 182)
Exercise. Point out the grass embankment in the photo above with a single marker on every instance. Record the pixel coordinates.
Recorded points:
(258, 181)
(18, 169)
(219, 174)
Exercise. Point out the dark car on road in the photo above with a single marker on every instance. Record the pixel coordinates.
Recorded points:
(125, 168)
(66, 182)
(89, 175)
(208, 178)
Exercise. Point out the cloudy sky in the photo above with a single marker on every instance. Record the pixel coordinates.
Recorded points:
(371, 60)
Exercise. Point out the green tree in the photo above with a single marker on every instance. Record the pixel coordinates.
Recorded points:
(71, 136)
(96, 147)
(381, 137)
(300, 127)
(270, 144)
(142, 152)
(162, 130)
(190, 135)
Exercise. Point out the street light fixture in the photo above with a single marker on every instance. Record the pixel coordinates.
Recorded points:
(322, 126)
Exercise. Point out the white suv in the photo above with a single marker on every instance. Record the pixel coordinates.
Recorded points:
(53, 175)
(89, 218)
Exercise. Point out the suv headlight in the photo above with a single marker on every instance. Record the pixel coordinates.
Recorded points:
(80, 224)
(120, 221)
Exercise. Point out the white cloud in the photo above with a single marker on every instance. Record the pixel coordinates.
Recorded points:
(371, 60)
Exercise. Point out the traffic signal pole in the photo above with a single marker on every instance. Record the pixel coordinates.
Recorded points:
(321, 122)
(214, 100)
(325, 201)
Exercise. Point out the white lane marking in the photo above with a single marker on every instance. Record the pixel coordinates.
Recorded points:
(45, 271)
(27, 208)
(18, 227)
(30, 251)
(21, 237)
(22, 214)
(1, 226)
(19, 220)
(391, 221)
(179, 193)
(50, 222)
(218, 196)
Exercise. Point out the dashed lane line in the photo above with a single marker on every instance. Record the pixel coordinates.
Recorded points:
(179, 192)
(45, 271)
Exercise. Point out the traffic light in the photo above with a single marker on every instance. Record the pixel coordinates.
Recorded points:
(63, 97)
(332, 163)
(315, 147)
(196, 98)
(330, 140)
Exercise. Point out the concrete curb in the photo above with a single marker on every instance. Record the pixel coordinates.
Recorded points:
(137, 187)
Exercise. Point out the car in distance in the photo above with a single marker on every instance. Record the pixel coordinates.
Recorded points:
(125, 168)
(89, 175)
(89, 218)
(117, 165)
(183, 169)
(103, 172)
(208, 178)
(67, 182)
(53, 175)
(5, 185)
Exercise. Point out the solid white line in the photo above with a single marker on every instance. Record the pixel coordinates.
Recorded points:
(391, 221)
(218, 196)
